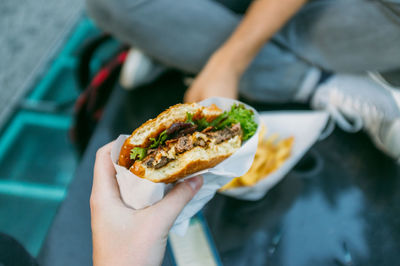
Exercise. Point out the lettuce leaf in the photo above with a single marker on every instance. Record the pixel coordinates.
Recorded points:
(138, 153)
(160, 139)
(189, 118)
(201, 123)
(237, 114)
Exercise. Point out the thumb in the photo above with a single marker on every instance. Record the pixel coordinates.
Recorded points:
(171, 206)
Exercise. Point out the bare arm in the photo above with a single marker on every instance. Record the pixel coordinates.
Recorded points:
(122, 235)
(222, 72)
(262, 20)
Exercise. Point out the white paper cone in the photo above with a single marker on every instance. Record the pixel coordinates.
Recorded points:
(304, 126)
(139, 193)
(136, 192)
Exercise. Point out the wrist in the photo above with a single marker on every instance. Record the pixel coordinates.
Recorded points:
(229, 61)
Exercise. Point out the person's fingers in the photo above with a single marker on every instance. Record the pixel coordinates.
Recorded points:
(191, 95)
(187, 97)
(169, 207)
(105, 186)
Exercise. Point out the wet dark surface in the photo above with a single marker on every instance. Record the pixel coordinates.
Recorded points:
(339, 206)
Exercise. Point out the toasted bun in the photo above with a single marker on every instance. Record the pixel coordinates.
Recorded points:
(152, 128)
(189, 162)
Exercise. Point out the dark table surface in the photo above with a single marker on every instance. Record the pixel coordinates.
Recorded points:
(339, 206)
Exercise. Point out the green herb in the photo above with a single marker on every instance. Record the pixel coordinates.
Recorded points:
(138, 153)
(237, 114)
(202, 124)
(160, 140)
(189, 118)
(219, 119)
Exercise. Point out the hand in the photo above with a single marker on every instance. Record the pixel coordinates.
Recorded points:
(217, 78)
(124, 236)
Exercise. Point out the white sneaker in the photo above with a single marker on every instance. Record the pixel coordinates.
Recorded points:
(389, 79)
(358, 102)
(138, 69)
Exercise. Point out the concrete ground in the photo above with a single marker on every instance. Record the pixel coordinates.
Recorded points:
(32, 31)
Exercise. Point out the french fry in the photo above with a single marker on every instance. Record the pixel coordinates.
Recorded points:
(270, 155)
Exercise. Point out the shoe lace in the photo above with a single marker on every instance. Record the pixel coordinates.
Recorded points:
(361, 114)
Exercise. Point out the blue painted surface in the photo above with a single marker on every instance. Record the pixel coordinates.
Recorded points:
(59, 84)
(27, 219)
(36, 149)
(37, 159)
(37, 163)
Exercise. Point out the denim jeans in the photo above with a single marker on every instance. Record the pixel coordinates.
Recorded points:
(349, 36)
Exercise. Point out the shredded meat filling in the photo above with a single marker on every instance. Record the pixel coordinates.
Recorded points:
(164, 160)
(149, 161)
(183, 143)
(225, 134)
(200, 142)
(188, 130)
(178, 126)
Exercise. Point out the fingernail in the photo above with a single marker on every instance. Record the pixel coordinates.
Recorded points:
(195, 182)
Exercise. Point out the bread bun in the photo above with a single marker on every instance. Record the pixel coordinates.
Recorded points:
(152, 128)
(190, 162)
(184, 154)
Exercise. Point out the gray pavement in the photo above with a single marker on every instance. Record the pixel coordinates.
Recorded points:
(31, 33)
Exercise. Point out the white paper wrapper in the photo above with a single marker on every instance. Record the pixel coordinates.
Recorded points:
(305, 126)
(139, 193)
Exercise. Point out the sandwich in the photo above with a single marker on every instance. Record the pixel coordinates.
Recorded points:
(185, 139)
